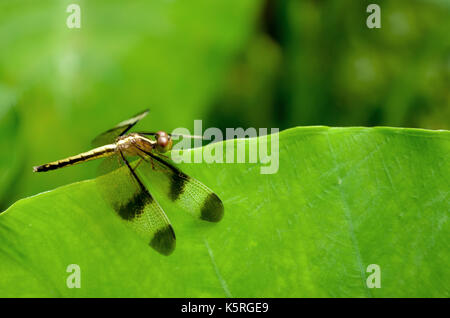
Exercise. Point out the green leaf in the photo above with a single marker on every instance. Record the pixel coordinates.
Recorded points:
(342, 199)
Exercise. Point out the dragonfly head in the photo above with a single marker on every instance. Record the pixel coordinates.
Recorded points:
(163, 142)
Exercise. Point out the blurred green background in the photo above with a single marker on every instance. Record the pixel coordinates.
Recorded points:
(231, 63)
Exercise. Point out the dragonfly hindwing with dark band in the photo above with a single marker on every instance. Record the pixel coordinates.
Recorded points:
(135, 206)
(164, 240)
(177, 183)
(212, 209)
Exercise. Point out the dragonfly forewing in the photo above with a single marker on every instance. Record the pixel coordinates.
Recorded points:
(188, 193)
(120, 129)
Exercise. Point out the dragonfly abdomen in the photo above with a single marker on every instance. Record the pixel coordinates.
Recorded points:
(96, 153)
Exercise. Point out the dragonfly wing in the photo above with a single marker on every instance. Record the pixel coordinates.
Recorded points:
(173, 135)
(187, 192)
(123, 189)
(120, 129)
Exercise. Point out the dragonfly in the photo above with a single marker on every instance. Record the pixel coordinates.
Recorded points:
(127, 157)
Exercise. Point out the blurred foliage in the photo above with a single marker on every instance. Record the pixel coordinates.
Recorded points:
(316, 63)
(231, 63)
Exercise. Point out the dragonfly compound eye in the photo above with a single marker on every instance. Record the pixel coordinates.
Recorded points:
(163, 142)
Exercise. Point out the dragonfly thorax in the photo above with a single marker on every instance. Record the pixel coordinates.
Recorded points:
(133, 144)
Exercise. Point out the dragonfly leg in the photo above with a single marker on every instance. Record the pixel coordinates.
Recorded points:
(153, 165)
(164, 156)
(148, 159)
(137, 165)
